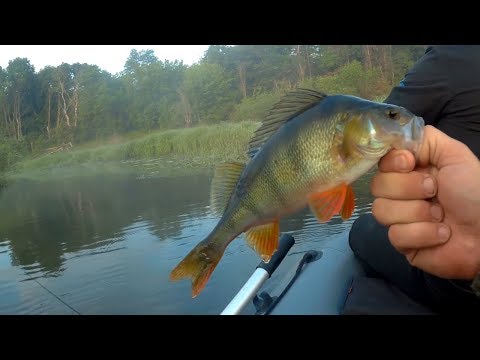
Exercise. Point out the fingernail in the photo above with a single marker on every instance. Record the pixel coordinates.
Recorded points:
(443, 233)
(400, 162)
(429, 186)
(436, 212)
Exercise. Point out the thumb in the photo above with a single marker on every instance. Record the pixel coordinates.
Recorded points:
(439, 149)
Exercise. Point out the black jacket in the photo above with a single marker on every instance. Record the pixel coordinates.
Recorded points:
(443, 87)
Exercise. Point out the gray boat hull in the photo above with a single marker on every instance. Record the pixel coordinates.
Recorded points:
(323, 285)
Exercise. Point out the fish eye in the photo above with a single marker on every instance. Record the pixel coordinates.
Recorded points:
(392, 113)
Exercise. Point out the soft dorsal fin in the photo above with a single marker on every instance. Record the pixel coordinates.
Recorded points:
(292, 104)
(224, 180)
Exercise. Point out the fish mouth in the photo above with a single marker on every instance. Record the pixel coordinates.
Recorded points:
(400, 135)
(389, 134)
(411, 136)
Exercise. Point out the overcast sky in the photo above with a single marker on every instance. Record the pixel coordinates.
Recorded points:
(108, 57)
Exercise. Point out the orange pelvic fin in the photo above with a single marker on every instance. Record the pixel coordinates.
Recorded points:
(326, 204)
(264, 239)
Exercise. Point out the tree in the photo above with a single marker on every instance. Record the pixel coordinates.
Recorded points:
(138, 59)
(19, 91)
(206, 93)
(152, 90)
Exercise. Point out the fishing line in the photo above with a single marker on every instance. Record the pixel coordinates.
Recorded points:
(63, 302)
(59, 299)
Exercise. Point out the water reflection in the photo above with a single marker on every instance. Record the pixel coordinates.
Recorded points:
(43, 221)
(106, 244)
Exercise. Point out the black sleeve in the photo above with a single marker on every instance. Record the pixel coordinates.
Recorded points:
(424, 89)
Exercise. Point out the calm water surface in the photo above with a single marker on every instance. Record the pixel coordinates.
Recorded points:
(106, 245)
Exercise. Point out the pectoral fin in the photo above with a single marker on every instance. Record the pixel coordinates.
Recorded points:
(264, 239)
(326, 204)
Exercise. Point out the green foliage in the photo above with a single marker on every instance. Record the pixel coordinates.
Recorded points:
(79, 103)
(351, 79)
(405, 57)
(11, 152)
(204, 145)
(255, 108)
(380, 98)
(207, 92)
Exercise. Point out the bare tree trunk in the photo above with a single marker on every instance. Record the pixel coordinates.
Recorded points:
(14, 118)
(301, 70)
(385, 60)
(75, 105)
(392, 75)
(380, 56)
(243, 79)
(59, 118)
(7, 123)
(79, 201)
(18, 116)
(275, 84)
(367, 56)
(187, 108)
(65, 107)
(10, 123)
(49, 113)
(309, 65)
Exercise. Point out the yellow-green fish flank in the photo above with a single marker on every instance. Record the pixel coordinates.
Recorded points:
(307, 151)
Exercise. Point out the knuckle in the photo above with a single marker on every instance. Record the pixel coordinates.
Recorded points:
(421, 211)
(378, 211)
(374, 185)
(394, 236)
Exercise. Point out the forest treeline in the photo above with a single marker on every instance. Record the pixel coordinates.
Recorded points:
(63, 106)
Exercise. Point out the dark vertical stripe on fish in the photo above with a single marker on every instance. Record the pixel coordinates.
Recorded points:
(276, 187)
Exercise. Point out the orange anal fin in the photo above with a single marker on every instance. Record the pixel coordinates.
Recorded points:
(348, 204)
(328, 203)
(264, 239)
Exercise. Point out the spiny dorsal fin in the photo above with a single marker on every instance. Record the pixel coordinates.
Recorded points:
(224, 180)
(292, 104)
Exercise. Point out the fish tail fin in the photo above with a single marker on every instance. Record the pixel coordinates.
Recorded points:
(198, 265)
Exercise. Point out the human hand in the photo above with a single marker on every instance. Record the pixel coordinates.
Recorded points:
(432, 205)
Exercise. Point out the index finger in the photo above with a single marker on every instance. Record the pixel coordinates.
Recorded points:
(397, 161)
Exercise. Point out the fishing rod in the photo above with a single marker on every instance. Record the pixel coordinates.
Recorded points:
(259, 276)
